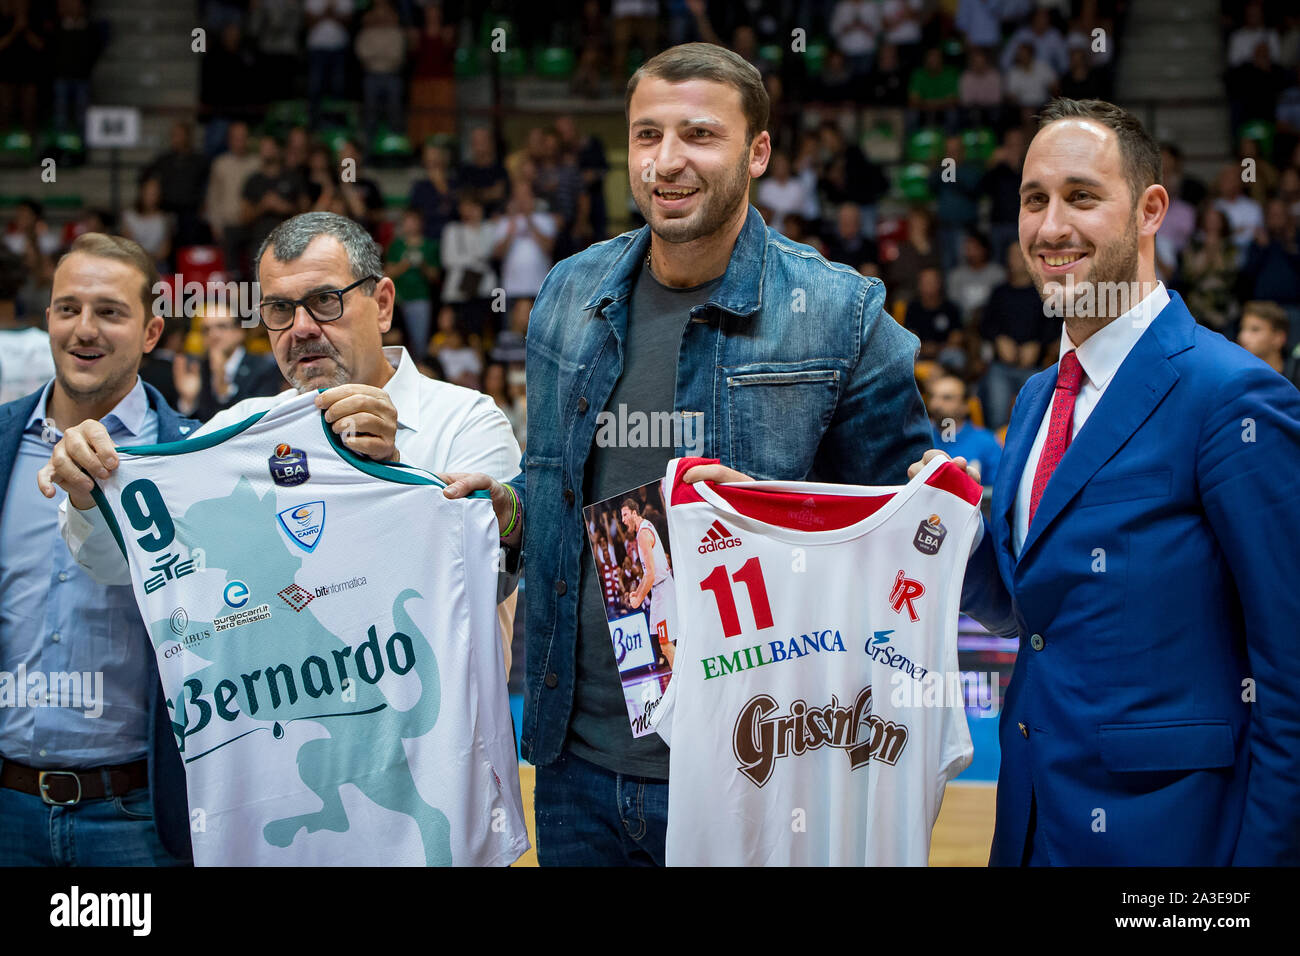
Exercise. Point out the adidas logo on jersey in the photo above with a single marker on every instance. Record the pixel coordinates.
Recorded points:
(718, 538)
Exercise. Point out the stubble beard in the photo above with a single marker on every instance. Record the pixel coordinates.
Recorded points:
(719, 206)
(1115, 262)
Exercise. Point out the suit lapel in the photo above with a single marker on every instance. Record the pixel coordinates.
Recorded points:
(1143, 380)
(13, 416)
(1028, 414)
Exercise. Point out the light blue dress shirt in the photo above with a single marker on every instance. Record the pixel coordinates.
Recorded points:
(75, 687)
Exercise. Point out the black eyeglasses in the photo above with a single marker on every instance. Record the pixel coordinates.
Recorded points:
(277, 314)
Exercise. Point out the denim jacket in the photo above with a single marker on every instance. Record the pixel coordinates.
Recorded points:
(792, 370)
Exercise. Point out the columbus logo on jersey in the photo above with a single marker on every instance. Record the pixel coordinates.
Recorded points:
(717, 538)
(288, 466)
(762, 737)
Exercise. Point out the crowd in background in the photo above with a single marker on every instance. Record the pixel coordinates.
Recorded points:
(930, 204)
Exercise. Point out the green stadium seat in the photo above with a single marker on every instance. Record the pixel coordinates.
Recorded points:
(16, 147)
(555, 62)
(979, 143)
(953, 50)
(286, 113)
(914, 182)
(469, 62)
(334, 137)
(513, 62)
(772, 53)
(815, 57)
(925, 145)
(390, 149)
(1261, 131)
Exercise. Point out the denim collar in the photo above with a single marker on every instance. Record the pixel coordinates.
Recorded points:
(741, 290)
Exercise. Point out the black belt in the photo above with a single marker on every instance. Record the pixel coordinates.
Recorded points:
(65, 788)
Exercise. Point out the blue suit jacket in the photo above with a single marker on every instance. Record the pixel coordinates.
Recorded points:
(166, 773)
(1159, 723)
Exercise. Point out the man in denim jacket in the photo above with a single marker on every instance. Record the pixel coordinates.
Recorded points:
(774, 361)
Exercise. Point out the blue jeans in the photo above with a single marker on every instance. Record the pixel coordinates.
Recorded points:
(590, 816)
(112, 831)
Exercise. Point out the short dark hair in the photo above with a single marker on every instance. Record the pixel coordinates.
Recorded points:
(1137, 148)
(1270, 312)
(632, 504)
(708, 61)
(120, 249)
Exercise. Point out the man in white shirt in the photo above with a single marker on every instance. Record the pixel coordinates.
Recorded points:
(325, 331)
(525, 239)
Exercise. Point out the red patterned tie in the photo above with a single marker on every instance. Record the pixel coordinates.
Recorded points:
(1060, 429)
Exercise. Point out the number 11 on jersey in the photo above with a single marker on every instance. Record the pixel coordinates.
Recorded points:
(750, 575)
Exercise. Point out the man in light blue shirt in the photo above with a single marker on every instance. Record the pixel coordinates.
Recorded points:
(947, 402)
(81, 737)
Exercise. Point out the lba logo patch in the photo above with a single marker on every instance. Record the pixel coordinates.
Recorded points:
(929, 535)
(288, 466)
(304, 523)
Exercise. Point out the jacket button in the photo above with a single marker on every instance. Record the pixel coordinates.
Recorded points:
(1037, 642)
(1024, 731)
(552, 680)
(560, 586)
(582, 405)
(568, 496)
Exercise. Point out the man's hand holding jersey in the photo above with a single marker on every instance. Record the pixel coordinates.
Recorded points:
(363, 416)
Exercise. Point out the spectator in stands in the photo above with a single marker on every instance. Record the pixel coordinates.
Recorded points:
(24, 44)
(1100, 47)
(887, 85)
(593, 44)
(228, 85)
(1028, 81)
(1264, 175)
(636, 23)
(461, 357)
(433, 195)
(948, 403)
(362, 199)
(1288, 190)
(297, 151)
(381, 50)
(525, 240)
(847, 244)
(483, 173)
(1001, 184)
(496, 386)
(323, 184)
(1287, 117)
(956, 186)
(182, 173)
(275, 27)
(147, 224)
(787, 194)
(227, 372)
(901, 20)
(1045, 42)
(558, 184)
(271, 195)
(846, 175)
(230, 171)
(1265, 328)
(25, 361)
(1174, 234)
(510, 343)
(1244, 215)
(918, 251)
(1016, 326)
(433, 79)
(972, 282)
(30, 238)
(74, 48)
(1080, 81)
(1209, 270)
(1254, 88)
(837, 84)
(932, 92)
(856, 25)
(980, 90)
(1246, 39)
(327, 48)
(592, 167)
(413, 265)
(1177, 182)
(1271, 269)
(978, 21)
(935, 320)
(466, 250)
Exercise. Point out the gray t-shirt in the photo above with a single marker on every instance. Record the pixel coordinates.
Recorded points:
(599, 730)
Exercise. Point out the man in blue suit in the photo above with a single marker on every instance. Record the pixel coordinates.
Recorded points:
(1140, 546)
(89, 770)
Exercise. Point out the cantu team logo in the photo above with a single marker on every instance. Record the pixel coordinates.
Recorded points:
(304, 523)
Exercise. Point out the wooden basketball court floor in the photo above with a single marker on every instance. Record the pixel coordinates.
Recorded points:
(961, 837)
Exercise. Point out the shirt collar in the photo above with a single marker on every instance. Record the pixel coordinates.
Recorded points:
(404, 387)
(232, 364)
(129, 415)
(1101, 355)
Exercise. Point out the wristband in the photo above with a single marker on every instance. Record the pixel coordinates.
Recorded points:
(514, 513)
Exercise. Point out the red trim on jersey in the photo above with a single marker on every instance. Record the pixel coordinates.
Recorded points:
(682, 492)
(801, 512)
(948, 477)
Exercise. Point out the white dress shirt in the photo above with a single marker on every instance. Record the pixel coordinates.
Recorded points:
(440, 427)
(1100, 358)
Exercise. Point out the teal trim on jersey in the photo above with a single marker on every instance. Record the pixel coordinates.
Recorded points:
(101, 501)
(197, 443)
(393, 471)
